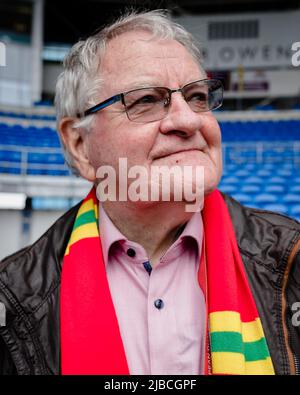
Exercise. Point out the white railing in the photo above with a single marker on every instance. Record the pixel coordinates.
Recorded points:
(261, 152)
(23, 165)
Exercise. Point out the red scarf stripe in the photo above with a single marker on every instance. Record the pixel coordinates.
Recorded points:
(229, 292)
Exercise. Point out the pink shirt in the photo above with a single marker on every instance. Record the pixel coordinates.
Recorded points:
(161, 313)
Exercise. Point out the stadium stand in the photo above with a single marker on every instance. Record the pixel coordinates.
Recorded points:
(261, 155)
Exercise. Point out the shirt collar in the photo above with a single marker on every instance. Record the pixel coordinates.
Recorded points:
(193, 229)
(110, 234)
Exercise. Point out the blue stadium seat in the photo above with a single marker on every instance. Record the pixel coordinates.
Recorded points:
(10, 156)
(10, 170)
(55, 159)
(288, 166)
(277, 180)
(58, 172)
(275, 189)
(252, 167)
(264, 173)
(242, 198)
(36, 157)
(294, 188)
(266, 107)
(284, 173)
(291, 198)
(251, 189)
(269, 166)
(36, 172)
(229, 188)
(230, 180)
(242, 173)
(279, 208)
(265, 198)
(254, 180)
(294, 211)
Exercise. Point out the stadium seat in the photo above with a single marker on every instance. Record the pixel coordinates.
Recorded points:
(263, 173)
(277, 180)
(250, 189)
(242, 173)
(228, 188)
(275, 189)
(279, 208)
(242, 198)
(265, 198)
(254, 180)
(294, 211)
(230, 180)
(291, 198)
(294, 189)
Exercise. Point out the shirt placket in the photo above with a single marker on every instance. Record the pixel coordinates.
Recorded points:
(161, 322)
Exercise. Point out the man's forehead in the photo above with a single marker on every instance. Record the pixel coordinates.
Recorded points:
(135, 47)
(145, 60)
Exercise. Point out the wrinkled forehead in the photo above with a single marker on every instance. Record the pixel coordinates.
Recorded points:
(139, 57)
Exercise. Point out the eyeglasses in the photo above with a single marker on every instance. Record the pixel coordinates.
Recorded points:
(152, 104)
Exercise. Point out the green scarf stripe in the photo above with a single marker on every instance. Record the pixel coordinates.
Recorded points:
(85, 218)
(256, 350)
(233, 342)
(227, 342)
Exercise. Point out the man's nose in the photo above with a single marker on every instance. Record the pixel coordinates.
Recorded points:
(180, 118)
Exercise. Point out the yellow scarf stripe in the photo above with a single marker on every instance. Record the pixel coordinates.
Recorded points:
(238, 347)
(87, 206)
(83, 232)
(234, 363)
(86, 230)
(230, 321)
(264, 367)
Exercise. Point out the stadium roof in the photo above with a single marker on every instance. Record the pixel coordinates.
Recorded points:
(66, 21)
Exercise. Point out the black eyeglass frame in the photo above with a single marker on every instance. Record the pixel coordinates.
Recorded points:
(121, 97)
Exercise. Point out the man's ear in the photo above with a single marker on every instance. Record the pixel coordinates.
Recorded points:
(75, 141)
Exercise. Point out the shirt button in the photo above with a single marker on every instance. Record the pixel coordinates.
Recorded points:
(159, 304)
(131, 252)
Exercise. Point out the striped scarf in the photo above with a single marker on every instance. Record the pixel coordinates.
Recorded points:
(90, 337)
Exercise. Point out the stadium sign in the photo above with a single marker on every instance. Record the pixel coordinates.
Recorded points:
(253, 40)
(247, 55)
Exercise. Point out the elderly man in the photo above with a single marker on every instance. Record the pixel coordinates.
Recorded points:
(145, 286)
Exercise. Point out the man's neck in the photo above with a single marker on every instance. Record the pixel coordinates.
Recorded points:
(155, 227)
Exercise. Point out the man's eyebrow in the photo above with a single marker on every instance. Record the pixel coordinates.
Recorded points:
(153, 84)
(141, 84)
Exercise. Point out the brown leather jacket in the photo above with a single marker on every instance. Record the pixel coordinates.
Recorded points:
(30, 284)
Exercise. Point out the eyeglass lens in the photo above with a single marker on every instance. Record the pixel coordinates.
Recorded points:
(152, 104)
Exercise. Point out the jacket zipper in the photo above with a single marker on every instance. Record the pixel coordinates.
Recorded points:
(288, 331)
(296, 359)
(293, 346)
(297, 365)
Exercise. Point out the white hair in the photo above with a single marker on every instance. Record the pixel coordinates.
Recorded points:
(79, 84)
